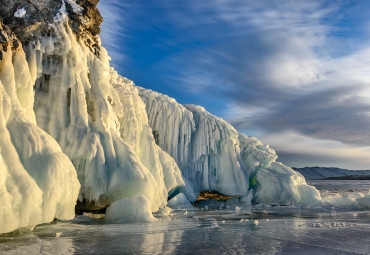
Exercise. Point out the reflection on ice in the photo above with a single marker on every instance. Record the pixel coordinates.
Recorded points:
(42, 241)
(209, 229)
(279, 230)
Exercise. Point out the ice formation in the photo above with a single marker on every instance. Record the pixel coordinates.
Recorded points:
(37, 181)
(132, 209)
(64, 110)
(90, 111)
(179, 202)
(280, 185)
(99, 121)
(354, 199)
(214, 156)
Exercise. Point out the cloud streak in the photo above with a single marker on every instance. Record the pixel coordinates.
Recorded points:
(298, 67)
(298, 150)
(113, 28)
(277, 60)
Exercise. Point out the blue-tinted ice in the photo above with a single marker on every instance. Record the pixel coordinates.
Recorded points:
(234, 229)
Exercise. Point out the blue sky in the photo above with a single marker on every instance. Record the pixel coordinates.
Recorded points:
(295, 74)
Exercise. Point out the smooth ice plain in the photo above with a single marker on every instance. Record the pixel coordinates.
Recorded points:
(212, 228)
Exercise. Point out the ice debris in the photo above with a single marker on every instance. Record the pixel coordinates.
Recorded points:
(132, 209)
(179, 202)
(354, 199)
(328, 225)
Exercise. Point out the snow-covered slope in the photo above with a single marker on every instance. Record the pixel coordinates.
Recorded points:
(312, 173)
(66, 114)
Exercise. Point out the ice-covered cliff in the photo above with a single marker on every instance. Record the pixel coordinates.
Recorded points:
(66, 86)
(214, 156)
(37, 181)
(66, 114)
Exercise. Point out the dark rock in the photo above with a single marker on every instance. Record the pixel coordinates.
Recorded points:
(41, 13)
(7, 39)
(89, 206)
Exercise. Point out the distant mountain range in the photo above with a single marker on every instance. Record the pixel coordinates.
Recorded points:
(315, 173)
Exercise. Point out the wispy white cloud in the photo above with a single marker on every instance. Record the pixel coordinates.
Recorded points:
(274, 62)
(250, 45)
(299, 150)
(113, 27)
(283, 66)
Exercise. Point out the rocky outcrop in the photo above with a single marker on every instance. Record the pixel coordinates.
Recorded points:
(29, 19)
(7, 39)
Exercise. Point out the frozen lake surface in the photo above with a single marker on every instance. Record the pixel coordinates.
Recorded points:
(213, 228)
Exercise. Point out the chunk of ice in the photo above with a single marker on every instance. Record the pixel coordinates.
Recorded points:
(132, 209)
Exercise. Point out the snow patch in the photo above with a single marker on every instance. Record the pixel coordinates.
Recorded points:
(75, 7)
(20, 13)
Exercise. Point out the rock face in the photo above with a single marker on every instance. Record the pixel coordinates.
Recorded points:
(7, 40)
(7, 37)
(37, 15)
